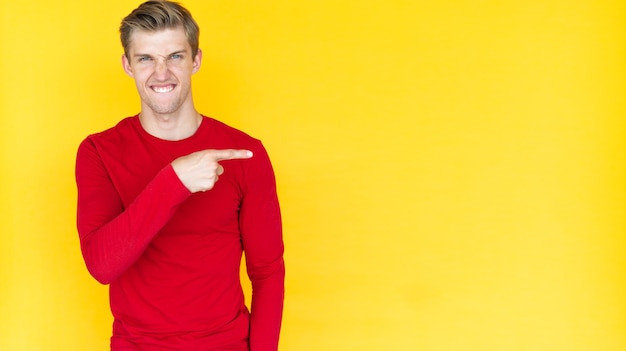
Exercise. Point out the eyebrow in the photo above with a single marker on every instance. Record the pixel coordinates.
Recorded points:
(168, 55)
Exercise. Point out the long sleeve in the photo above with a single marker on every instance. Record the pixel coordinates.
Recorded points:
(172, 258)
(113, 236)
(261, 228)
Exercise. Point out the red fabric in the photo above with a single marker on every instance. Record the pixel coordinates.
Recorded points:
(171, 257)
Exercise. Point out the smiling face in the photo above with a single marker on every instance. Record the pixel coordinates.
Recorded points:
(161, 63)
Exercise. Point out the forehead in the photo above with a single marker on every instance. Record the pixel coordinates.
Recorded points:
(163, 41)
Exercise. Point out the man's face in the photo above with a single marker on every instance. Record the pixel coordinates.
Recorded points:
(162, 65)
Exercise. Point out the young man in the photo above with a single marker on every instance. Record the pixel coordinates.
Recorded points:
(169, 199)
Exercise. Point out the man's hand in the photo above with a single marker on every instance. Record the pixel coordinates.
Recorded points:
(200, 170)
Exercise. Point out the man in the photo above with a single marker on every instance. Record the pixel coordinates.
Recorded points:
(169, 199)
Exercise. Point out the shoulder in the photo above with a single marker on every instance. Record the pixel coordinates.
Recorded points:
(112, 138)
(226, 137)
(121, 129)
(230, 135)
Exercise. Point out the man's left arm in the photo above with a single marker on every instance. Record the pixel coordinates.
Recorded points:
(261, 230)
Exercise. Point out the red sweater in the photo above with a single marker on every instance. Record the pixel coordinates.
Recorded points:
(172, 258)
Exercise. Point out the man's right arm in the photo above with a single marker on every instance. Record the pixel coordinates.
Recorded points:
(112, 237)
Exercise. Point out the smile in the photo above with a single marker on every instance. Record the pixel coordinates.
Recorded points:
(163, 89)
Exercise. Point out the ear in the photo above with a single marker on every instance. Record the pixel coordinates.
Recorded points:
(197, 61)
(126, 65)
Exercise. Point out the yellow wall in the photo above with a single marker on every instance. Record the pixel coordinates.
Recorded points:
(451, 172)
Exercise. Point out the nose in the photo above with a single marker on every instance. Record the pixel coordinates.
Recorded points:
(161, 70)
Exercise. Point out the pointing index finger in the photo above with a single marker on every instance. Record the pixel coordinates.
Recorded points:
(231, 154)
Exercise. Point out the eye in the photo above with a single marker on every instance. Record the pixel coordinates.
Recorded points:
(176, 56)
(144, 59)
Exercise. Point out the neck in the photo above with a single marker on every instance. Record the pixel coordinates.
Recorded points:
(171, 127)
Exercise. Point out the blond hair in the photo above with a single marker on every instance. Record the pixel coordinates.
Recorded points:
(155, 15)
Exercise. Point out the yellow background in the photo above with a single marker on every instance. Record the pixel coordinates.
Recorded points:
(451, 172)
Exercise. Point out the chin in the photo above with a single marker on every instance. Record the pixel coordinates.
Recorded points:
(163, 109)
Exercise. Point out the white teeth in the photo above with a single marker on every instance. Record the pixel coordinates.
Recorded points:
(166, 89)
